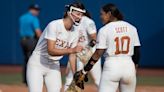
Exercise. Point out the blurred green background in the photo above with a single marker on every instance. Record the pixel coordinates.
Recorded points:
(16, 78)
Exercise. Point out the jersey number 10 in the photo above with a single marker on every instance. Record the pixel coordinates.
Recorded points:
(122, 50)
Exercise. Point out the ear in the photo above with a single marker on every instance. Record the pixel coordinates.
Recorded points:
(109, 14)
(68, 12)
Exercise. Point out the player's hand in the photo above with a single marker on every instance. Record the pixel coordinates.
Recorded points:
(79, 78)
(77, 49)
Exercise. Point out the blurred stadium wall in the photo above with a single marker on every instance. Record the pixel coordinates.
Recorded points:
(146, 15)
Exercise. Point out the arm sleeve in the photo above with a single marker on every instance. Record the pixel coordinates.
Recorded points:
(36, 24)
(91, 27)
(50, 32)
(136, 56)
(97, 54)
(136, 39)
(101, 40)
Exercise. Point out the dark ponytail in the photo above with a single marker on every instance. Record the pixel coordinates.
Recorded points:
(114, 11)
(120, 16)
(87, 14)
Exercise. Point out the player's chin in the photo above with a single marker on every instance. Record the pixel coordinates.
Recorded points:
(104, 22)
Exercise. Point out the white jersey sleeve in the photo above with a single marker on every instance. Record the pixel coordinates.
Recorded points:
(136, 39)
(50, 34)
(102, 40)
(91, 27)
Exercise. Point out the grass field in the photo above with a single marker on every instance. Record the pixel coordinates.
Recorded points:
(148, 80)
(16, 78)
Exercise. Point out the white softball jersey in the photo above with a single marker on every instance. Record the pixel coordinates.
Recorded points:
(56, 31)
(85, 28)
(119, 38)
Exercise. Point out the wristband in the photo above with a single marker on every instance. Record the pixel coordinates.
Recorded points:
(92, 43)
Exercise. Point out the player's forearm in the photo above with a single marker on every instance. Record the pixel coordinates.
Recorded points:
(38, 32)
(53, 51)
(136, 55)
(72, 61)
(98, 53)
(92, 43)
(93, 36)
(59, 52)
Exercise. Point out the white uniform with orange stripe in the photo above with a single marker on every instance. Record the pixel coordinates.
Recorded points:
(119, 39)
(85, 28)
(43, 67)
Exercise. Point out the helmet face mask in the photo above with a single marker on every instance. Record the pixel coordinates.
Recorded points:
(76, 14)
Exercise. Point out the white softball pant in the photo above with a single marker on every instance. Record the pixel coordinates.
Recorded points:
(41, 69)
(118, 72)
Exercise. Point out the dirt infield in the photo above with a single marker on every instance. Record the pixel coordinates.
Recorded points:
(88, 87)
(140, 71)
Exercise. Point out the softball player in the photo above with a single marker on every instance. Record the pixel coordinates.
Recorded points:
(120, 41)
(59, 38)
(87, 32)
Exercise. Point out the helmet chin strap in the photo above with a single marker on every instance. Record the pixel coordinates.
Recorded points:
(74, 22)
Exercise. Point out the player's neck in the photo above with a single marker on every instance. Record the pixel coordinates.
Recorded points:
(113, 19)
(68, 23)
